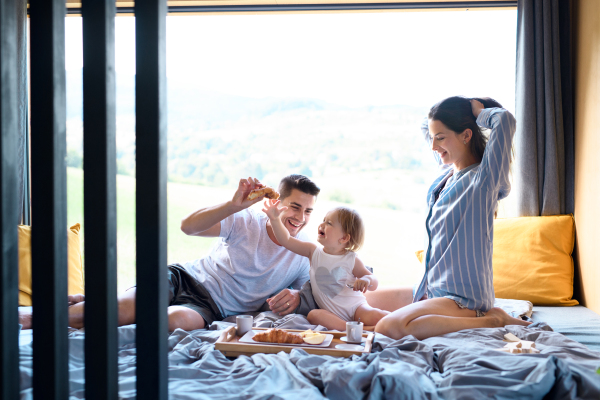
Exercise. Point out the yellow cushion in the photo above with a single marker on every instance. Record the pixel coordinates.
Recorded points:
(532, 259)
(75, 268)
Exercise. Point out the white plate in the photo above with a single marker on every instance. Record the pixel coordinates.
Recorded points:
(353, 347)
(247, 338)
(345, 339)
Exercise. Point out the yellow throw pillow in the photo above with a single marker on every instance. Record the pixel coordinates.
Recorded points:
(75, 268)
(532, 259)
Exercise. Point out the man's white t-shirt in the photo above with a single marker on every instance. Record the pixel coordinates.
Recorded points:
(244, 267)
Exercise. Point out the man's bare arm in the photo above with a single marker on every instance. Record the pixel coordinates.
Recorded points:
(207, 221)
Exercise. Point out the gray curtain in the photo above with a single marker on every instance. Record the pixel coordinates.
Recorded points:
(544, 145)
(23, 106)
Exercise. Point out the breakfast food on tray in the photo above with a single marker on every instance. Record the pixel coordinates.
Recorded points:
(268, 192)
(278, 336)
(309, 332)
(312, 337)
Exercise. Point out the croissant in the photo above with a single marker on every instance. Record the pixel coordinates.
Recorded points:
(278, 336)
(268, 192)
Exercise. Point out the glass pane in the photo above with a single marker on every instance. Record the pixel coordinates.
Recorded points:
(337, 97)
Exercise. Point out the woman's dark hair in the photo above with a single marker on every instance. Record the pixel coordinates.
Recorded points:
(456, 113)
(300, 182)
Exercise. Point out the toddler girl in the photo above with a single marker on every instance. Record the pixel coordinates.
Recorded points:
(333, 267)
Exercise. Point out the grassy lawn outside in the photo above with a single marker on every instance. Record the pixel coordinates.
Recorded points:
(391, 240)
(180, 246)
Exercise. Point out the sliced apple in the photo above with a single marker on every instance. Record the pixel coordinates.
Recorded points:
(307, 333)
(314, 339)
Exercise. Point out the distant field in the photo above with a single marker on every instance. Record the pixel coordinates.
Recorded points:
(180, 246)
(392, 235)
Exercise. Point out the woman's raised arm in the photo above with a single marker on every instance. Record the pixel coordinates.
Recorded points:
(495, 164)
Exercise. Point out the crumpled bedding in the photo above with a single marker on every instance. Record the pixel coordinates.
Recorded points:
(457, 365)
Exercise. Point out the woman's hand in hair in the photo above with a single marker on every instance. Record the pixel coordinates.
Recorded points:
(476, 107)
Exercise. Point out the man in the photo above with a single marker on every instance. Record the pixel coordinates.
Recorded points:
(245, 267)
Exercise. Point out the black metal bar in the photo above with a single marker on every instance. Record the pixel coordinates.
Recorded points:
(49, 200)
(9, 215)
(324, 7)
(26, 213)
(100, 207)
(151, 199)
(23, 110)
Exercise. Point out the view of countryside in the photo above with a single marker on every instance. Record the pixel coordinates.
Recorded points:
(270, 95)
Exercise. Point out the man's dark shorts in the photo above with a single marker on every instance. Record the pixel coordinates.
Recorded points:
(186, 291)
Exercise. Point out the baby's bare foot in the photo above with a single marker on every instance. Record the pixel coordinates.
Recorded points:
(501, 318)
(75, 298)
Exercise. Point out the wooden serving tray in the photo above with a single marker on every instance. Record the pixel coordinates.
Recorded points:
(229, 345)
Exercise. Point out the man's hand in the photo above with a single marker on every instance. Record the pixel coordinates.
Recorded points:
(270, 208)
(476, 107)
(244, 188)
(284, 302)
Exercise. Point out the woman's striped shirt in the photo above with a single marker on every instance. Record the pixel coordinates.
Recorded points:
(460, 223)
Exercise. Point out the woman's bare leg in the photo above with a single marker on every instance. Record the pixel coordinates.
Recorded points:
(390, 298)
(434, 317)
(328, 319)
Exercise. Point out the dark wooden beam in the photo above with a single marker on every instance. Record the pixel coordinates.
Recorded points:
(9, 215)
(151, 199)
(181, 8)
(49, 200)
(100, 209)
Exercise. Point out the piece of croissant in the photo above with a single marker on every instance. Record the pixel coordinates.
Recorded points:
(278, 336)
(268, 192)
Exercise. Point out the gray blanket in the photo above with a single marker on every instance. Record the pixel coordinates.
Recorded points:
(459, 365)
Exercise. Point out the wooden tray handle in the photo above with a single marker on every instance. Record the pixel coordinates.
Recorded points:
(369, 344)
(231, 333)
(228, 334)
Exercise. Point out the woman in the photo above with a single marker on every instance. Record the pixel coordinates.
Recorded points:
(457, 290)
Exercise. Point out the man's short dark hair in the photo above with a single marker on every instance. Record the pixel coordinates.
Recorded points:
(300, 182)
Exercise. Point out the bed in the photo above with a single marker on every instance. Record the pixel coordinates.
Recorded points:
(577, 323)
(462, 365)
(465, 364)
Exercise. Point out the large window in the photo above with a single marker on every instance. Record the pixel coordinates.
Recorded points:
(337, 97)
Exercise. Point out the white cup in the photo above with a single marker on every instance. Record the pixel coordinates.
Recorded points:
(354, 331)
(244, 324)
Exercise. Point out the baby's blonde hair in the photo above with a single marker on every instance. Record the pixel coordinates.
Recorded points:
(352, 224)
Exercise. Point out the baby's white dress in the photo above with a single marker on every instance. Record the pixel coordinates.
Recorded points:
(329, 275)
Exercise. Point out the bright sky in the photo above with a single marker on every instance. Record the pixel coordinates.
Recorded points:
(357, 59)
